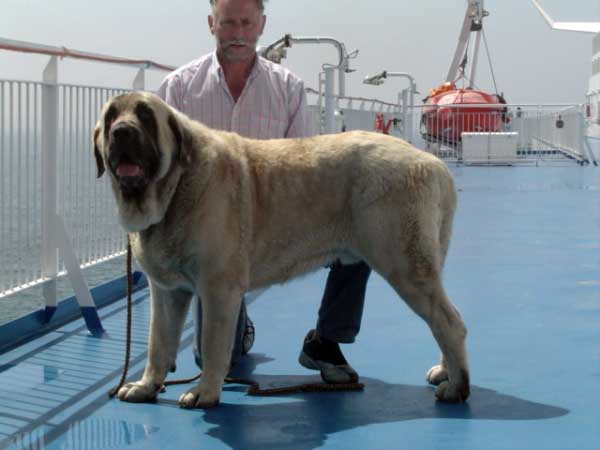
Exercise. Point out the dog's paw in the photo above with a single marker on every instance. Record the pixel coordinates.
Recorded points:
(199, 397)
(138, 392)
(436, 375)
(452, 393)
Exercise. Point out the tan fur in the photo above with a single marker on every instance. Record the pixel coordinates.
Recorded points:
(241, 214)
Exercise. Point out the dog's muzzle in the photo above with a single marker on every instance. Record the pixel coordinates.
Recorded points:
(126, 157)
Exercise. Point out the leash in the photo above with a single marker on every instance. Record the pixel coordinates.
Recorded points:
(253, 386)
(129, 278)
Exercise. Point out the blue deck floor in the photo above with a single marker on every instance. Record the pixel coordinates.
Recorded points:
(524, 270)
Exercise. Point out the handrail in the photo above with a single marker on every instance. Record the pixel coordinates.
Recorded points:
(313, 91)
(64, 52)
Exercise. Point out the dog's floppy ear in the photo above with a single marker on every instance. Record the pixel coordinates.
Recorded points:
(97, 154)
(183, 140)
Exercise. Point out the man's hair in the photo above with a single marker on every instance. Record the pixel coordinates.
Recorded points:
(259, 3)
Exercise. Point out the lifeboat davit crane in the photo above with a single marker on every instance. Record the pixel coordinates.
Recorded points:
(451, 110)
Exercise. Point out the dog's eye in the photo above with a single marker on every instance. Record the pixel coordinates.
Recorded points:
(147, 119)
(144, 112)
(109, 118)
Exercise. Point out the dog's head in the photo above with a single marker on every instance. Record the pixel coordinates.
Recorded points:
(139, 140)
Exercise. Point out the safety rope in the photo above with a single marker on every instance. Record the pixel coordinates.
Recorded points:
(254, 387)
(487, 52)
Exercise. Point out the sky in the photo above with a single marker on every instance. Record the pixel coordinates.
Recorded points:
(531, 62)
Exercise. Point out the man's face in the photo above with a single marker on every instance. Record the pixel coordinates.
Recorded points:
(236, 25)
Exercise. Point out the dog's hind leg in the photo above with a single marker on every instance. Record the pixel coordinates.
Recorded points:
(438, 374)
(220, 307)
(423, 291)
(167, 315)
(414, 271)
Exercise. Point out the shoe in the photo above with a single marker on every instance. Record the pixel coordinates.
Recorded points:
(319, 353)
(248, 340)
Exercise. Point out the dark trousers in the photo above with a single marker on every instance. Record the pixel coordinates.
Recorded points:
(341, 310)
(340, 314)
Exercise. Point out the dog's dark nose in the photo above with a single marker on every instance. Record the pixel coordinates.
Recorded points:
(122, 132)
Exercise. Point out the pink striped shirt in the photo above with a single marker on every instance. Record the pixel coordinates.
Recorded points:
(272, 104)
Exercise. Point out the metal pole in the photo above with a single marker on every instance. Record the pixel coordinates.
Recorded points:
(407, 102)
(343, 61)
(49, 183)
(475, 58)
(341, 82)
(463, 38)
(320, 107)
(329, 101)
(411, 112)
(407, 133)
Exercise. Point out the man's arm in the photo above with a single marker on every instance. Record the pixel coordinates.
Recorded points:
(299, 119)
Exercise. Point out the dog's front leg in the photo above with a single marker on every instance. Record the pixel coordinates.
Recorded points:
(220, 309)
(167, 315)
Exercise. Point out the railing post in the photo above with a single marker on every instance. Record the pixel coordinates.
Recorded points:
(139, 82)
(411, 112)
(320, 109)
(585, 143)
(54, 235)
(329, 101)
(407, 132)
(49, 183)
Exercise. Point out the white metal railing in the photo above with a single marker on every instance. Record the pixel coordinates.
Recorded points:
(97, 237)
(563, 129)
(55, 217)
(83, 204)
(541, 132)
(20, 188)
(351, 113)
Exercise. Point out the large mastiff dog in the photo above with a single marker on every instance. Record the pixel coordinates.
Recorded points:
(214, 214)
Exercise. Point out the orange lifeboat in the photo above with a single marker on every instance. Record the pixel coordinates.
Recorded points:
(446, 114)
(450, 111)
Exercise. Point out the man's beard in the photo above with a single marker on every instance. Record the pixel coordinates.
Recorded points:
(231, 54)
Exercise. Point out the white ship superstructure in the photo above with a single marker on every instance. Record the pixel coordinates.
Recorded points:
(594, 87)
(593, 94)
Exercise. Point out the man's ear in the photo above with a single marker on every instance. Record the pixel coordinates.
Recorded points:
(211, 24)
(97, 154)
(264, 19)
(183, 141)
